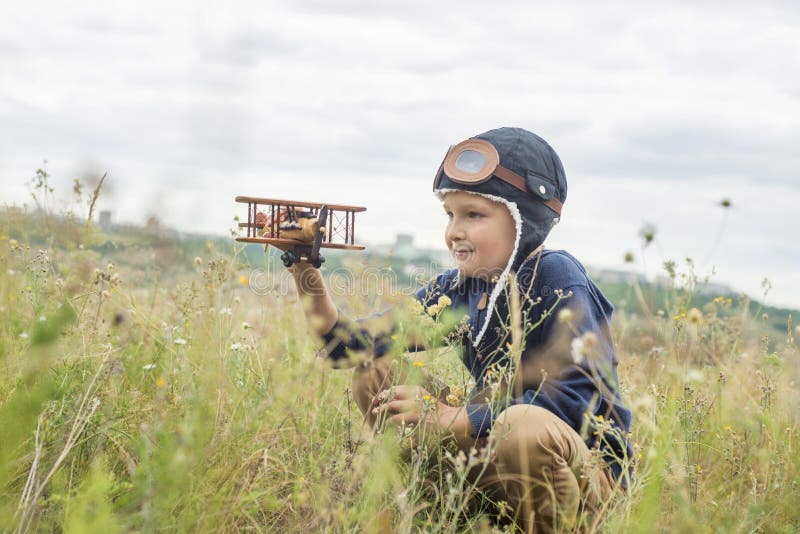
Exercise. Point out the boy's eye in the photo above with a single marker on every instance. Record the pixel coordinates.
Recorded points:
(474, 215)
(449, 214)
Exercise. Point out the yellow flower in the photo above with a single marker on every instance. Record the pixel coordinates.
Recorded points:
(434, 309)
(600, 419)
(695, 315)
(161, 382)
(444, 301)
(426, 398)
(243, 280)
(417, 363)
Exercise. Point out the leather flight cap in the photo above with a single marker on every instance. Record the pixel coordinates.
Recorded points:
(475, 161)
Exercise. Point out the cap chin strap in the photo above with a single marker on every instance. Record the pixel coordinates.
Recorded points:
(517, 181)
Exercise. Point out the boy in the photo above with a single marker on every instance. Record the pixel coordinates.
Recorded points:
(503, 191)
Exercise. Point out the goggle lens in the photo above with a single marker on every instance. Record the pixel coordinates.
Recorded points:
(470, 161)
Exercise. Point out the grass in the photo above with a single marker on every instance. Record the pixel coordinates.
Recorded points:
(135, 397)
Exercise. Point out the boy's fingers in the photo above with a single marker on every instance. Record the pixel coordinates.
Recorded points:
(396, 407)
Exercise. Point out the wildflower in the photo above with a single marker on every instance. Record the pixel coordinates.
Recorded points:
(583, 346)
(695, 315)
(149, 366)
(628, 257)
(444, 301)
(577, 350)
(225, 311)
(418, 363)
(648, 234)
(414, 307)
(12, 243)
(565, 316)
(455, 396)
(24, 335)
(426, 398)
(110, 267)
(764, 317)
(600, 419)
(180, 341)
(727, 428)
(161, 382)
(236, 346)
(434, 309)
(42, 318)
(694, 375)
(198, 261)
(243, 280)
(246, 326)
(11, 272)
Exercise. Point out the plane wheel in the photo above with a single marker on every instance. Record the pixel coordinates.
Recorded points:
(288, 258)
(317, 263)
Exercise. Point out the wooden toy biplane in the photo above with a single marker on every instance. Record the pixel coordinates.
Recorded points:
(300, 229)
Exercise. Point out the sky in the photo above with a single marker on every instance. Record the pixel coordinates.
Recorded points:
(658, 112)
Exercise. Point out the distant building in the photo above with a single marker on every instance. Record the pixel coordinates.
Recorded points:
(403, 246)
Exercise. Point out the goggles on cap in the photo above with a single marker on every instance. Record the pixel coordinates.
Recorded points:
(475, 161)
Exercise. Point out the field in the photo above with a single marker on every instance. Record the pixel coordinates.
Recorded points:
(150, 388)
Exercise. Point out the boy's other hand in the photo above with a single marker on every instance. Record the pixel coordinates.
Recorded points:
(413, 405)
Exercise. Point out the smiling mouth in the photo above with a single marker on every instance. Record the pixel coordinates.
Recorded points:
(462, 253)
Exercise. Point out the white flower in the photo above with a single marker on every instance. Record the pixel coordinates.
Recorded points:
(180, 341)
(565, 316)
(11, 272)
(149, 366)
(225, 311)
(695, 375)
(577, 350)
(236, 346)
(24, 335)
(42, 318)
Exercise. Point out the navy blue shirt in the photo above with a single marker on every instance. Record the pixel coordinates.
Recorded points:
(575, 380)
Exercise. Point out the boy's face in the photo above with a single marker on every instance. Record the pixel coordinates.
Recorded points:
(479, 235)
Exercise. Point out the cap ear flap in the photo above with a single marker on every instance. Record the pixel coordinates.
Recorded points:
(539, 186)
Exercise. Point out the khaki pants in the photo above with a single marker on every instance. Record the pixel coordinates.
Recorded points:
(537, 463)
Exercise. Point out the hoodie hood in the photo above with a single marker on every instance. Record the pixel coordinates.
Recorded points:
(529, 156)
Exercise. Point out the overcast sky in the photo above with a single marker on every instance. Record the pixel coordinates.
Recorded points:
(658, 113)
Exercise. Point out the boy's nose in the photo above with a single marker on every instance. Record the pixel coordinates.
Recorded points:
(455, 232)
